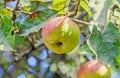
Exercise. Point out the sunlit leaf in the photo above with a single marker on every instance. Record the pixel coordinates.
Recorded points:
(60, 5)
(86, 7)
(5, 11)
(117, 59)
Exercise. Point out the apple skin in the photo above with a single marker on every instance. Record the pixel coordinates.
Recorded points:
(94, 69)
(61, 35)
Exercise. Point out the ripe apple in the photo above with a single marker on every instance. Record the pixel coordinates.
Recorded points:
(61, 35)
(94, 69)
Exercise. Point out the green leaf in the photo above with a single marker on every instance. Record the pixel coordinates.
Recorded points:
(6, 39)
(21, 43)
(96, 43)
(86, 7)
(85, 50)
(103, 44)
(60, 5)
(34, 23)
(117, 59)
(111, 33)
(5, 42)
(7, 25)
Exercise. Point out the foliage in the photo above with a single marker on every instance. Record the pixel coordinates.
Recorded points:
(21, 22)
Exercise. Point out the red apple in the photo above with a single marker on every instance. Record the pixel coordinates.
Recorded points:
(61, 35)
(93, 69)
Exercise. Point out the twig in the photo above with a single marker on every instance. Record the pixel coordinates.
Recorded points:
(19, 56)
(14, 13)
(76, 9)
(21, 11)
(30, 42)
(80, 21)
(5, 3)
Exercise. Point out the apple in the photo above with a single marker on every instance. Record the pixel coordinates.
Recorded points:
(94, 69)
(61, 35)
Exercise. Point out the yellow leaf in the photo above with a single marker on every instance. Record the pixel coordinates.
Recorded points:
(5, 11)
(85, 6)
(60, 5)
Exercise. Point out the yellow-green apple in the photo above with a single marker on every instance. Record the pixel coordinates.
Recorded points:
(94, 69)
(61, 35)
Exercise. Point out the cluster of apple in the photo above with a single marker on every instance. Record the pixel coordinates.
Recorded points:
(61, 35)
